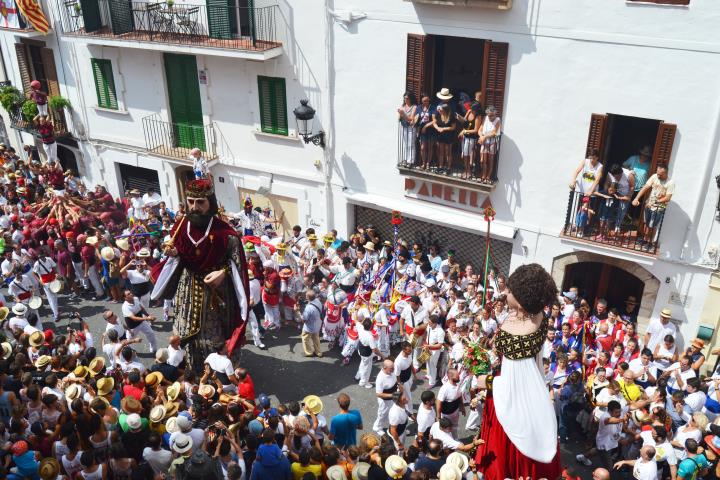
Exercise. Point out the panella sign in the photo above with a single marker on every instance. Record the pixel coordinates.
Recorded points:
(444, 194)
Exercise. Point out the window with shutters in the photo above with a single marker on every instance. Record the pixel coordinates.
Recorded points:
(629, 149)
(104, 83)
(273, 105)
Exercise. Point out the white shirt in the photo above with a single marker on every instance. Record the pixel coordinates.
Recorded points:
(657, 332)
(397, 415)
(137, 277)
(446, 438)
(401, 363)
(255, 291)
(117, 327)
(435, 336)
(645, 470)
(425, 417)
(17, 288)
(696, 401)
(220, 363)
(687, 374)
(133, 309)
(44, 267)
(638, 368)
(151, 200)
(449, 392)
(608, 434)
(128, 367)
(663, 451)
(384, 381)
(175, 357)
(109, 351)
(414, 319)
(366, 338)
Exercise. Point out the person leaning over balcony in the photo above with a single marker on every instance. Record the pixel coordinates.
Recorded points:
(408, 119)
(489, 132)
(661, 191)
(426, 131)
(584, 183)
(469, 135)
(624, 182)
(445, 124)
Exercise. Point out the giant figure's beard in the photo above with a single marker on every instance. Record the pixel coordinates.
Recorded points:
(199, 220)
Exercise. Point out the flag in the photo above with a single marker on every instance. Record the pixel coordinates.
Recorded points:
(8, 14)
(33, 13)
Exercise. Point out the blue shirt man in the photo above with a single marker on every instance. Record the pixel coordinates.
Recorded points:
(344, 426)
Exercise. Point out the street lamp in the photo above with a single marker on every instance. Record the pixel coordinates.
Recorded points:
(304, 115)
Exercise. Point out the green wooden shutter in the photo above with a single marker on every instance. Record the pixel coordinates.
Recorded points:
(218, 13)
(121, 15)
(273, 105)
(185, 104)
(104, 83)
(91, 15)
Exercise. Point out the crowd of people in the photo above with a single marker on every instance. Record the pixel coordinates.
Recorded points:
(76, 407)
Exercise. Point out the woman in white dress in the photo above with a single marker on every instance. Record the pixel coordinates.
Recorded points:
(408, 132)
(489, 136)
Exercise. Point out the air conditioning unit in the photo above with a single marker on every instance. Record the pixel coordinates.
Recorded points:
(495, 4)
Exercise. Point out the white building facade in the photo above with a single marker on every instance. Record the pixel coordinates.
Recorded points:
(565, 77)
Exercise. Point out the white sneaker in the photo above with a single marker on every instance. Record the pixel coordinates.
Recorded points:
(583, 459)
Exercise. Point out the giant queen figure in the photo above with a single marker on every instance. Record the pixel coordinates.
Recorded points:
(206, 273)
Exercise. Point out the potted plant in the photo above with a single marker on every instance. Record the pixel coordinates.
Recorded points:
(77, 9)
(58, 102)
(29, 110)
(170, 4)
(10, 98)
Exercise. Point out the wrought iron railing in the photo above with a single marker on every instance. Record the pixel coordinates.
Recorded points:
(176, 140)
(426, 156)
(214, 24)
(612, 222)
(18, 121)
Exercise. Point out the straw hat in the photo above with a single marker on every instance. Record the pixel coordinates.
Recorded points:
(206, 391)
(154, 378)
(123, 244)
(4, 312)
(360, 471)
(313, 404)
(171, 425)
(6, 350)
(105, 385)
(37, 338)
(130, 405)
(19, 309)
(336, 472)
(449, 472)
(444, 94)
(107, 253)
(171, 408)
(157, 414)
(173, 391)
(91, 240)
(395, 466)
(698, 343)
(97, 403)
(666, 312)
(459, 460)
(49, 468)
(96, 367)
(312, 237)
(80, 371)
(369, 246)
(143, 253)
(43, 361)
(134, 422)
(72, 392)
(182, 443)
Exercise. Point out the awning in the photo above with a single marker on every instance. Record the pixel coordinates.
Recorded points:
(448, 217)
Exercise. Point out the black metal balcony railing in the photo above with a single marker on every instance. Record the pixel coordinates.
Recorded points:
(19, 122)
(612, 222)
(176, 140)
(415, 154)
(213, 25)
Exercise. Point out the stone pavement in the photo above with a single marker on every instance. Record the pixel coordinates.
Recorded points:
(281, 371)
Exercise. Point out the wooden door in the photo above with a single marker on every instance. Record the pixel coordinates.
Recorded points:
(185, 105)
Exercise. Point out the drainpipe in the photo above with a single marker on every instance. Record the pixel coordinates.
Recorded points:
(328, 114)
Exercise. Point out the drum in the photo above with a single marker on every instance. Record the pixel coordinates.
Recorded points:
(35, 302)
(424, 356)
(55, 286)
(413, 340)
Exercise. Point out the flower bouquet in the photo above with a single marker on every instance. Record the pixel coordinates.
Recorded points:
(477, 359)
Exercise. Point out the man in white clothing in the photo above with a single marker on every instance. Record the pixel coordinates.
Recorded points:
(151, 198)
(137, 320)
(45, 271)
(176, 355)
(367, 346)
(404, 372)
(255, 300)
(645, 467)
(678, 374)
(113, 323)
(435, 340)
(22, 287)
(449, 403)
(413, 322)
(385, 385)
(664, 452)
(658, 328)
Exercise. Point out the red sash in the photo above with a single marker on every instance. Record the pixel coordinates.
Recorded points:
(270, 299)
(288, 301)
(24, 295)
(47, 278)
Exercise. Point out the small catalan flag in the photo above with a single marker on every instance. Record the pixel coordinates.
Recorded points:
(33, 13)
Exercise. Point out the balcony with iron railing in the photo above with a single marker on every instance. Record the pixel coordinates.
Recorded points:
(423, 157)
(176, 140)
(612, 223)
(215, 27)
(20, 121)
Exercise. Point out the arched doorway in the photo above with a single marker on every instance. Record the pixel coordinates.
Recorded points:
(598, 276)
(67, 158)
(596, 280)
